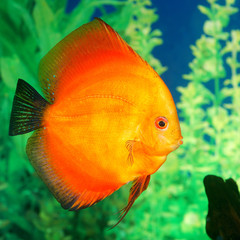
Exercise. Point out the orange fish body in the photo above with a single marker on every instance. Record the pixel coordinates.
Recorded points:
(108, 119)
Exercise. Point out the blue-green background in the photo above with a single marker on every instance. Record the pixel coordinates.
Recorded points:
(195, 47)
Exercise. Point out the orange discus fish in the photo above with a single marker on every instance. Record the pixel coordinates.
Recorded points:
(107, 118)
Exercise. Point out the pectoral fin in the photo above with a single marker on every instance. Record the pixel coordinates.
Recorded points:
(129, 146)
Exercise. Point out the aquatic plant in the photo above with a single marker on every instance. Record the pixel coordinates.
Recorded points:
(209, 108)
(212, 117)
(29, 29)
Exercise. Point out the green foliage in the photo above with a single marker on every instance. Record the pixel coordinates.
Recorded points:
(214, 115)
(29, 29)
(210, 123)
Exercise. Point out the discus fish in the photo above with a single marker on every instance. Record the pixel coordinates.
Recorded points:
(106, 118)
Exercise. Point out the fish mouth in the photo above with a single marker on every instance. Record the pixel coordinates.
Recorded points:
(170, 146)
(179, 143)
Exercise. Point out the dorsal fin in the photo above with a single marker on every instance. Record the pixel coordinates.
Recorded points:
(76, 53)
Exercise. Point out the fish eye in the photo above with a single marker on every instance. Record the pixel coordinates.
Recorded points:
(161, 123)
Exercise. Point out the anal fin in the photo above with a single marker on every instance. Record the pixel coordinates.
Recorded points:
(70, 190)
(139, 185)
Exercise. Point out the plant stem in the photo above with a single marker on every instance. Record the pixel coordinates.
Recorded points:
(234, 74)
(218, 56)
(217, 91)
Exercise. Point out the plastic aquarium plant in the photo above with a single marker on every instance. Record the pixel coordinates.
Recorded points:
(29, 29)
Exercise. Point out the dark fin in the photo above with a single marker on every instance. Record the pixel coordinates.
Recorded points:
(139, 185)
(71, 191)
(27, 111)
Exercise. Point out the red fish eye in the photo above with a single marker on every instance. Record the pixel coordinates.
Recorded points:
(161, 123)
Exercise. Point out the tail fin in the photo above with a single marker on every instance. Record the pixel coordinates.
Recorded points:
(27, 111)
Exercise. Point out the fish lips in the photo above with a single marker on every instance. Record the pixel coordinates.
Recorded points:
(178, 144)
